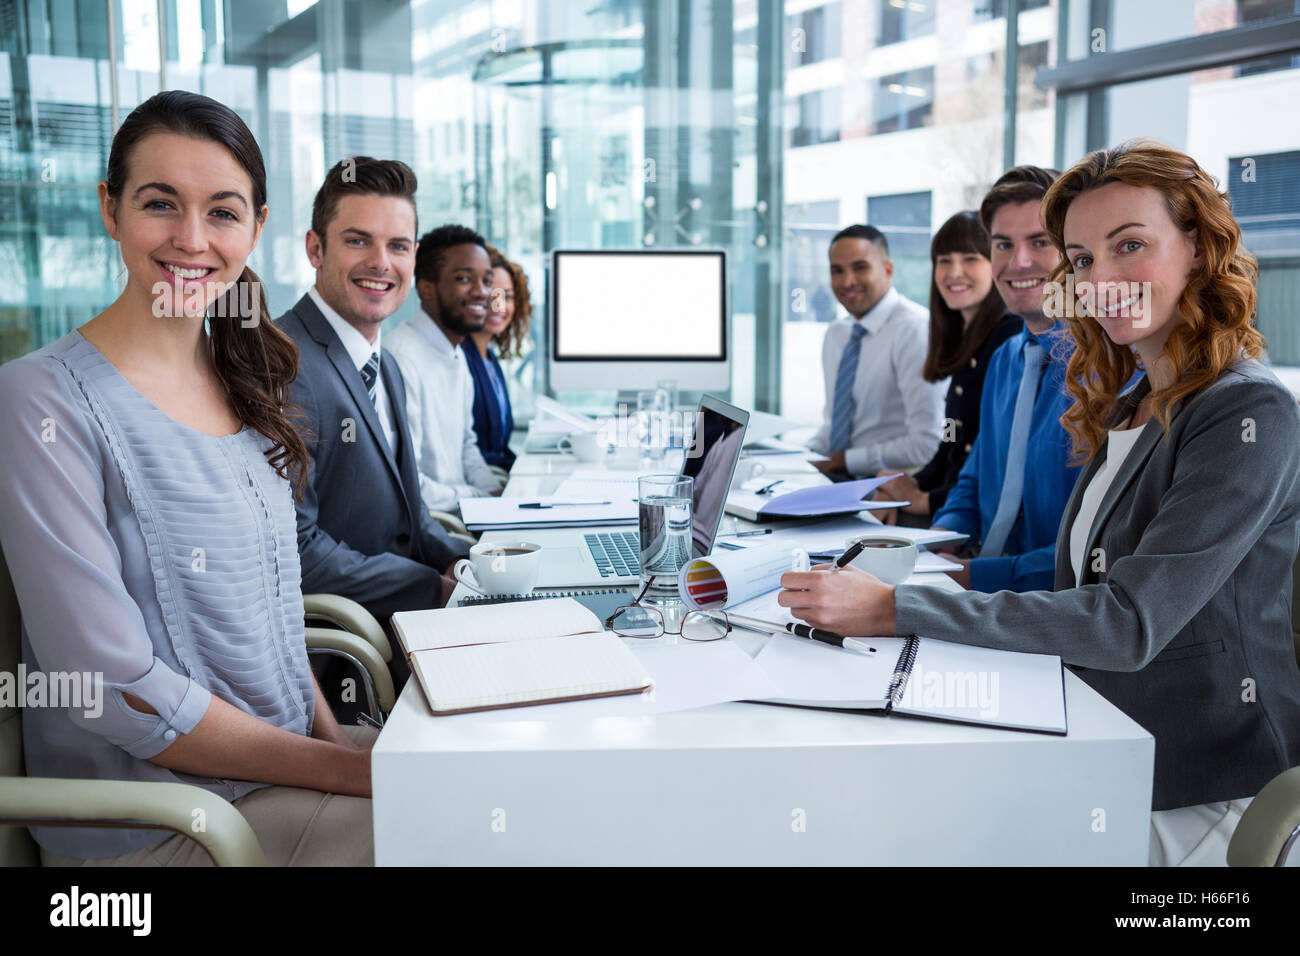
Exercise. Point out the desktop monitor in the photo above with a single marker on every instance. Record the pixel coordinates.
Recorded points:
(629, 319)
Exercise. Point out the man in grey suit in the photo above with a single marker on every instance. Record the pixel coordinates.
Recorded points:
(363, 531)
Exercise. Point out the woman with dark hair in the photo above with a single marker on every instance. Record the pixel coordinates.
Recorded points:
(967, 324)
(1172, 595)
(149, 519)
(509, 311)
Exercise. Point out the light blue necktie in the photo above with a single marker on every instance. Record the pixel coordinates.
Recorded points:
(1013, 482)
(842, 406)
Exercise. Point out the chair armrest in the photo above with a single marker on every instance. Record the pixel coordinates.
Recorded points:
(54, 801)
(451, 522)
(350, 616)
(360, 651)
(1270, 824)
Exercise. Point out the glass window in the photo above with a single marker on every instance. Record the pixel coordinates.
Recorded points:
(905, 219)
(905, 20)
(903, 101)
(813, 35)
(1137, 23)
(921, 137)
(815, 118)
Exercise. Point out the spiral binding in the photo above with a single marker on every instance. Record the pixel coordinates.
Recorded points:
(902, 671)
(470, 601)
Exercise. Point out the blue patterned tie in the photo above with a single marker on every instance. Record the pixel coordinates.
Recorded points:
(370, 375)
(1013, 482)
(842, 406)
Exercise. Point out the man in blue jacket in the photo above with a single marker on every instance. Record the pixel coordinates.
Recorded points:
(1017, 479)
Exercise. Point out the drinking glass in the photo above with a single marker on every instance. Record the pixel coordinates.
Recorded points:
(664, 509)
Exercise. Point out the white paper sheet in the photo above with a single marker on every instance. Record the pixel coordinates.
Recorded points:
(806, 671)
(490, 513)
(832, 534)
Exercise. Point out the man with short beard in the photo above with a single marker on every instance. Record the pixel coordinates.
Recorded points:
(453, 279)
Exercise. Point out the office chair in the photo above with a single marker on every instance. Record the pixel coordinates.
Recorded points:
(354, 635)
(454, 526)
(57, 801)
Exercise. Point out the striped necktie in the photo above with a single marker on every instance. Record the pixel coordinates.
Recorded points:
(1013, 482)
(370, 375)
(842, 407)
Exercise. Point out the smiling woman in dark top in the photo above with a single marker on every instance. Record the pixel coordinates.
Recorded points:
(967, 323)
(509, 311)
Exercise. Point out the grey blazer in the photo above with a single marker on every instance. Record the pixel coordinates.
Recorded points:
(1183, 618)
(363, 531)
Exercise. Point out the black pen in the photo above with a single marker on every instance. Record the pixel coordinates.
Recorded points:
(562, 504)
(843, 560)
(815, 633)
(745, 534)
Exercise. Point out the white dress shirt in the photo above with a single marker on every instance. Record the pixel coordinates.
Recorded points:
(1119, 442)
(440, 414)
(360, 350)
(897, 414)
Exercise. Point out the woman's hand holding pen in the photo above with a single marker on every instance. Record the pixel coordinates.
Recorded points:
(847, 601)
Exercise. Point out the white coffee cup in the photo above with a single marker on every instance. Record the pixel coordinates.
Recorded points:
(584, 446)
(747, 471)
(500, 567)
(890, 558)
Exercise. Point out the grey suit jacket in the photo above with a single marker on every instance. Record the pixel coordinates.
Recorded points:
(1183, 618)
(363, 531)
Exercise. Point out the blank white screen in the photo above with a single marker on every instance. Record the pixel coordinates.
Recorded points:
(629, 306)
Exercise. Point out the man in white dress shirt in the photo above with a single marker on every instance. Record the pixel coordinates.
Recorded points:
(453, 279)
(880, 410)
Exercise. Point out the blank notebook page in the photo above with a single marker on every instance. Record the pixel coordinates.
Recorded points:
(551, 668)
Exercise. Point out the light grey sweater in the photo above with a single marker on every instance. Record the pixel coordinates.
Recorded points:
(161, 559)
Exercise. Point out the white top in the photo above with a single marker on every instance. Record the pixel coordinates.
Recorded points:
(440, 414)
(360, 350)
(898, 415)
(1118, 444)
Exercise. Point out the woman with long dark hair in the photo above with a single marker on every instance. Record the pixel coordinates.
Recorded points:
(149, 525)
(1172, 594)
(967, 324)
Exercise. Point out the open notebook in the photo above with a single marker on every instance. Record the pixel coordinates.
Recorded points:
(511, 655)
(920, 677)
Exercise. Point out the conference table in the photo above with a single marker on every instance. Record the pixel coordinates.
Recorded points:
(756, 784)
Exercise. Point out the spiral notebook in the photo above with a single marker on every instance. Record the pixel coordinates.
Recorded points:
(920, 677)
(512, 655)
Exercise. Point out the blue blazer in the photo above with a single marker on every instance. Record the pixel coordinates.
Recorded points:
(493, 441)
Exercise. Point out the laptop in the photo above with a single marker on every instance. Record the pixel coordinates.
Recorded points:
(595, 557)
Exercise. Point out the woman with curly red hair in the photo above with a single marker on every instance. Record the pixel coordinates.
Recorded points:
(1173, 561)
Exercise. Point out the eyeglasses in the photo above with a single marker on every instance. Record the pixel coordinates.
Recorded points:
(633, 620)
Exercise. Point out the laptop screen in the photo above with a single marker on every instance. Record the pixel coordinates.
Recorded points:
(710, 459)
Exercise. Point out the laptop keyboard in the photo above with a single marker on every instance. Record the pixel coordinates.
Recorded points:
(615, 553)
